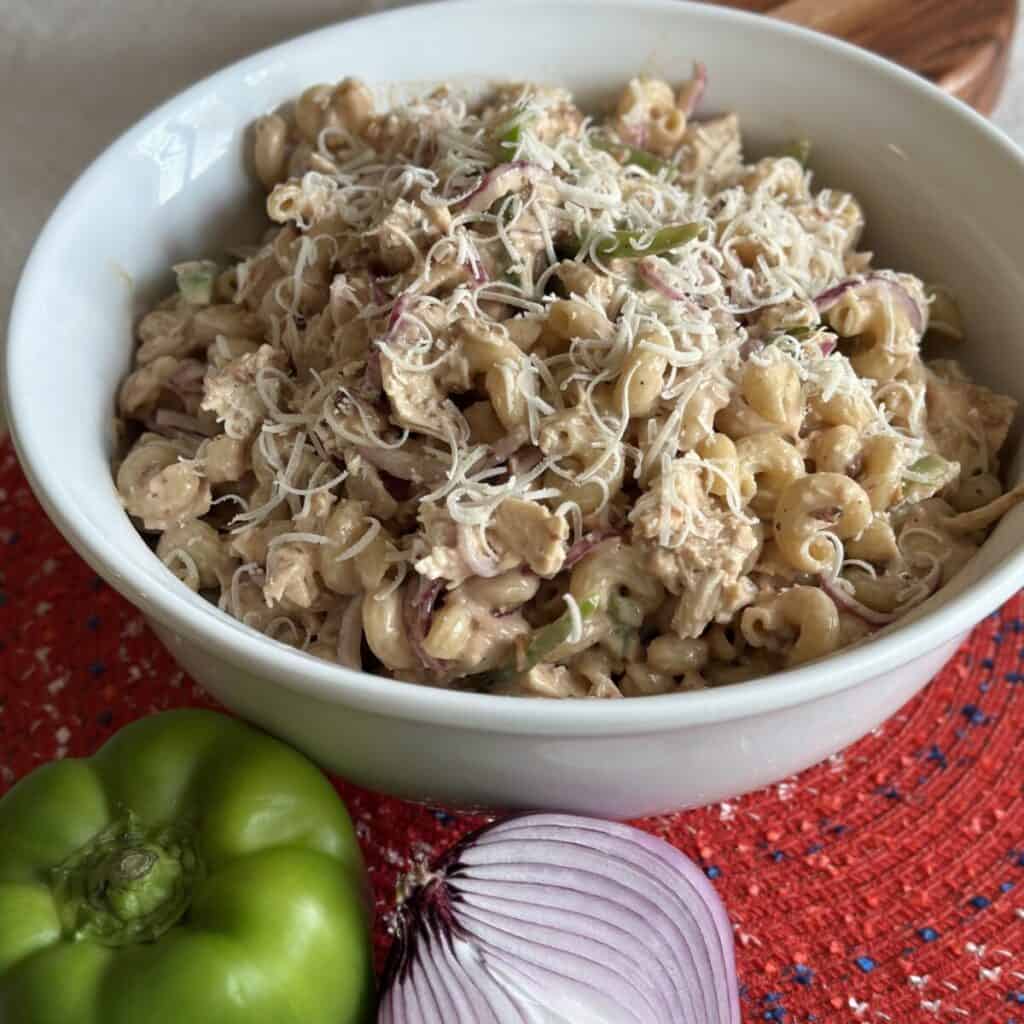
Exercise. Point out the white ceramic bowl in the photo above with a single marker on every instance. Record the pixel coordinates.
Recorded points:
(942, 193)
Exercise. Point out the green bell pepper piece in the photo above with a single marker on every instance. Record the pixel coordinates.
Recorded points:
(542, 643)
(548, 637)
(800, 332)
(196, 280)
(929, 465)
(194, 869)
(631, 155)
(510, 133)
(930, 470)
(623, 244)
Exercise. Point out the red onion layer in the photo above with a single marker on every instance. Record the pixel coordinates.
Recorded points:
(501, 181)
(827, 299)
(420, 597)
(551, 918)
(848, 603)
(649, 272)
(585, 545)
(397, 310)
(750, 346)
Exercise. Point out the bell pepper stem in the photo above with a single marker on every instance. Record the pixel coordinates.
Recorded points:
(132, 865)
(126, 884)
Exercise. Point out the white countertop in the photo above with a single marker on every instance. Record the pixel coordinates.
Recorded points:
(75, 73)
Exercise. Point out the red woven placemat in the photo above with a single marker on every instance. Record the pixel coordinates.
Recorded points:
(884, 885)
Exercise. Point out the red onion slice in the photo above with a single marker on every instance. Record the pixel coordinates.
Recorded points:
(649, 272)
(420, 597)
(501, 181)
(827, 299)
(857, 608)
(397, 309)
(552, 918)
(750, 346)
(585, 545)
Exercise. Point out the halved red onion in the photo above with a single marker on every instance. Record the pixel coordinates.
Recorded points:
(649, 272)
(551, 919)
(502, 181)
(585, 545)
(419, 598)
(827, 299)
(847, 602)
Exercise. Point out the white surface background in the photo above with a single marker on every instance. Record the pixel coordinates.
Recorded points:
(76, 73)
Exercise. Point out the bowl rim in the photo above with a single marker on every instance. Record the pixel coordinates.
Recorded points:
(321, 680)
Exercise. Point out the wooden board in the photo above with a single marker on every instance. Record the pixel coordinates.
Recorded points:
(962, 45)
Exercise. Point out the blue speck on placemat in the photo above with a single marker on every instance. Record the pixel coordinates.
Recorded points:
(974, 714)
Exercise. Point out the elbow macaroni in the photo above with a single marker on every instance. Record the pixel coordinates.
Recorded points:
(510, 399)
(813, 506)
(807, 611)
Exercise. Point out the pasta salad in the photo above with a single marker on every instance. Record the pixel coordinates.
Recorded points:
(516, 400)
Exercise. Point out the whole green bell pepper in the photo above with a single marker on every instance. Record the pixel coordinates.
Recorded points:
(194, 870)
